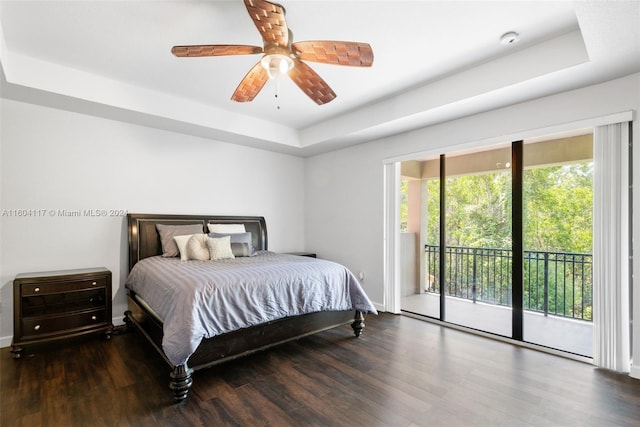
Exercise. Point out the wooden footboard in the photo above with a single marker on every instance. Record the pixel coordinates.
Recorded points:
(223, 348)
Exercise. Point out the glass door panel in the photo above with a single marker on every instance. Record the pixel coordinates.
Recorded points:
(558, 205)
(420, 201)
(478, 261)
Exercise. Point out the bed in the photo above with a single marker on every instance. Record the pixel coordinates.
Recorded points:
(224, 329)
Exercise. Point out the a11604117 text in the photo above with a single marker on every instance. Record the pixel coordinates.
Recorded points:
(25, 213)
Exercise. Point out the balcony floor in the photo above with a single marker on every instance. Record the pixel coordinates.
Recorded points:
(574, 336)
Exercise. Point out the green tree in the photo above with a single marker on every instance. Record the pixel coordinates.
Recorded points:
(558, 208)
(558, 204)
(478, 212)
(404, 204)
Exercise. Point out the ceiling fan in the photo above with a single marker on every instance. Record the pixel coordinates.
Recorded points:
(282, 56)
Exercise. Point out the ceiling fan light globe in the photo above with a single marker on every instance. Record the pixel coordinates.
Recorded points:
(276, 64)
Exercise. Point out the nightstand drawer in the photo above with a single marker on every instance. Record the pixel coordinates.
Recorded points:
(59, 287)
(50, 304)
(37, 326)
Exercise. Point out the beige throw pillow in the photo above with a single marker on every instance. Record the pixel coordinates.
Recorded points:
(219, 248)
(181, 243)
(197, 247)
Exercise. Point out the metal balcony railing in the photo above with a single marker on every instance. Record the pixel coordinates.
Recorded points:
(556, 283)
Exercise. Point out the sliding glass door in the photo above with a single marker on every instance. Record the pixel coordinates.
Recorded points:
(464, 238)
(503, 238)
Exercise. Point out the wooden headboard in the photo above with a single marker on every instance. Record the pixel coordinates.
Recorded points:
(144, 240)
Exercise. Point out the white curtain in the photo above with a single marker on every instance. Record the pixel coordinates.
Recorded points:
(611, 243)
(392, 237)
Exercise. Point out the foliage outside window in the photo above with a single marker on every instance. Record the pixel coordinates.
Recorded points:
(557, 237)
(404, 204)
(558, 209)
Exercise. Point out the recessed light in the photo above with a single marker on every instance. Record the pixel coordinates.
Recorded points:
(510, 38)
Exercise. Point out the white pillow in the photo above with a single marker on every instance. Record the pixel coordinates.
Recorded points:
(226, 228)
(220, 248)
(197, 247)
(181, 243)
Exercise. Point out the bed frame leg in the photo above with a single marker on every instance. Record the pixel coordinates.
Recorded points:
(358, 323)
(127, 320)
(181, 381)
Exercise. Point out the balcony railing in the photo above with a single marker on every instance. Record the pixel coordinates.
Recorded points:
(556, 283)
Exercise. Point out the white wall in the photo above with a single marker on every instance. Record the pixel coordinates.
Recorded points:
(344, 189)
(53, 159)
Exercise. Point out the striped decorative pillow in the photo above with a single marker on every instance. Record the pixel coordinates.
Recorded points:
(241, 243)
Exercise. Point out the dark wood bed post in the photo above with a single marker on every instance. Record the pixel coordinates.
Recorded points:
(127, 320)
(358, 323)
(181, 381)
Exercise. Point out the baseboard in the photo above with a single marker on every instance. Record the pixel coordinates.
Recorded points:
(635, 372)
(5, 341)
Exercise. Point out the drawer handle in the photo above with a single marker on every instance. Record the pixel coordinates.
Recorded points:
(36, 290)
(94, 283)
(94, 318)
(36, 328)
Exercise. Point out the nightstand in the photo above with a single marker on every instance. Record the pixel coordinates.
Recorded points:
(56, 305)
(309, 254)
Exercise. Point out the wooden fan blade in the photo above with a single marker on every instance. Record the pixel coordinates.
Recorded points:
(335, 52)
(311, 83)
(251, 84)
(269, 19)
(214, 50)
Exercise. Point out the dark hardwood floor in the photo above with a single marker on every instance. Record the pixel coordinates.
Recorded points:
(400, 372)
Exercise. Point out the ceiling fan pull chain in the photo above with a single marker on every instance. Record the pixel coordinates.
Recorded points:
(277, 79)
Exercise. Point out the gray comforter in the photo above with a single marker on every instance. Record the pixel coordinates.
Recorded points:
(202, 299)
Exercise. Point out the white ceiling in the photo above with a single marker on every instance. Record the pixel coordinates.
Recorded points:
(434, 61)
